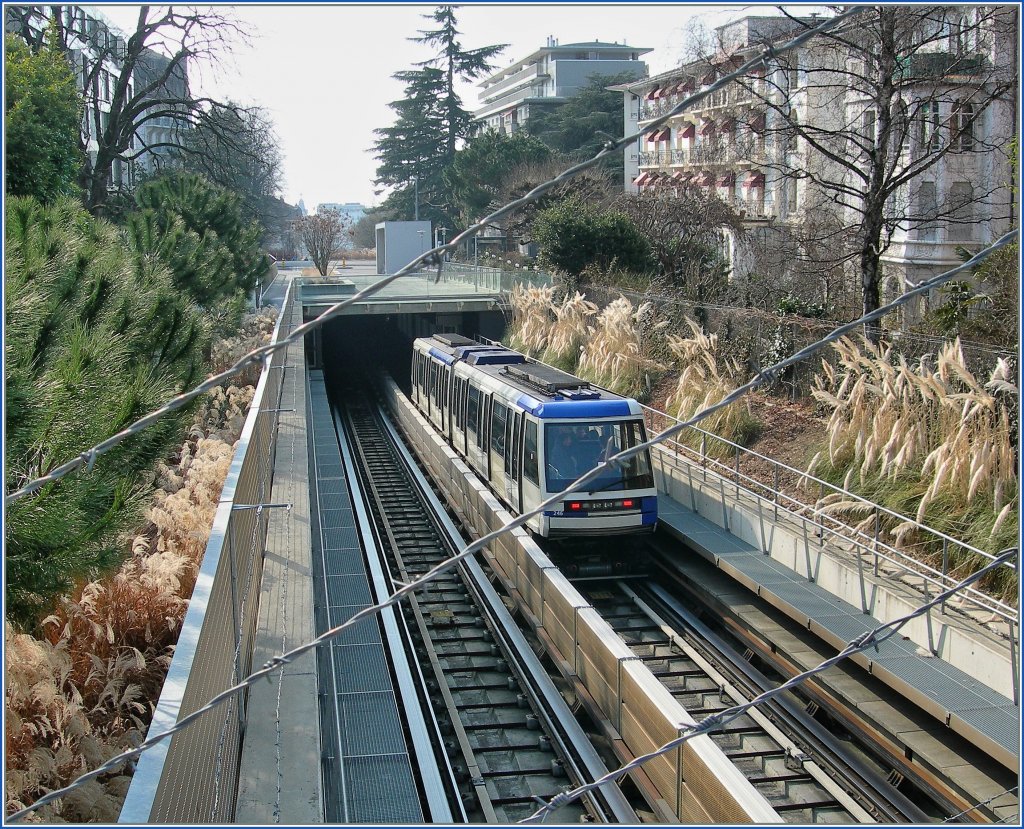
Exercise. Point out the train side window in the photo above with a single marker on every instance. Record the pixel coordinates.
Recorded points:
(498, 421)
(530, 466)
(472, 411)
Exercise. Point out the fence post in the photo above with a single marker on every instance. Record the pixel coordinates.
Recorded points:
(878, 525)
(703, 455)
(945, 570)
(737, 467)
(1014, 670)
(775, 493)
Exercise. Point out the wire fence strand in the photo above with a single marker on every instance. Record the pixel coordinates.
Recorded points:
(871, 639)
(614, 461)
(434, 258)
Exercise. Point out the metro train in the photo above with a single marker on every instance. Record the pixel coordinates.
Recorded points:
(530, 430)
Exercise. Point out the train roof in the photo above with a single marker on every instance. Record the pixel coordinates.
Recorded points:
(544, 391)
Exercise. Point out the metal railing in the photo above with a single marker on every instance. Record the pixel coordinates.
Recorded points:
(194, 778)
(490, 280)
(868, 540)
(871, 549)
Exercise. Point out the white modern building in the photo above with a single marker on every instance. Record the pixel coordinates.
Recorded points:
(548, 77)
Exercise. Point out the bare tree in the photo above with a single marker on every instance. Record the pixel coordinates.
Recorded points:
(321, 234)
(683, 225)
(151, 82)
(875, 119)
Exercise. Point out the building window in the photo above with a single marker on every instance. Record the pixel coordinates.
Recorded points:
(927, 207)
(961, 126)
(869, 127)
(928, 137)
(791, 195)
(792, 133)
(961, 217)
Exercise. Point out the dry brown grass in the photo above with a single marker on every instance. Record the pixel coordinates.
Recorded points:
(615, 354)
(706, 378)
(86, 690)
(929, 441)
(569, 332)
(533, 315)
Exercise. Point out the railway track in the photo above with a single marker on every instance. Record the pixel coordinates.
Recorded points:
(508, 737)
(804, 772)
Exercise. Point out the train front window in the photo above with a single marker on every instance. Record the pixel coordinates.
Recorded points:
(571, 449)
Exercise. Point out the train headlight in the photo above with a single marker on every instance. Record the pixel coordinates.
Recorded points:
(609, 505)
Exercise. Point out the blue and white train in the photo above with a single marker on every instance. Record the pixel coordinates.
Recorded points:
(530, 430)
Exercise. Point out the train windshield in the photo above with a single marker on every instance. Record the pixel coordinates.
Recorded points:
(571, 449)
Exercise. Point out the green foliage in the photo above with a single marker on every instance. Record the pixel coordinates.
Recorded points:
(481, 167)
(197, 228)
(985, 309)
(430, 122)
(42, 118)
(575, 234)
(581, 126)
(791, 304)
(96, 337)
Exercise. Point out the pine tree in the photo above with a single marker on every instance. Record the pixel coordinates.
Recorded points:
(430, 123)
(96, 337)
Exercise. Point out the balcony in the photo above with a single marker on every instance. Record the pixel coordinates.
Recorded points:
(731, 96)
(738, 152)
(528, 73)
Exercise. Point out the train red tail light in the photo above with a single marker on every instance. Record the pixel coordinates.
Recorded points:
(575, 506)
(628, 503)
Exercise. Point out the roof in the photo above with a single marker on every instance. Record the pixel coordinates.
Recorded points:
(519, 65)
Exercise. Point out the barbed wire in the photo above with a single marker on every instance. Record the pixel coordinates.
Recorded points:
(434, 256)
(88, 457)
(614, 461)
(978, 806)
(871, 639)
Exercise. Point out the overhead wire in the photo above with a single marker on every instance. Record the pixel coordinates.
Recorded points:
(871, 639)
(433, 256)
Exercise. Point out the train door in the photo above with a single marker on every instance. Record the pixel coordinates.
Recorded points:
(473, 426)
(513, 453)
(496, 456)
(529, 478)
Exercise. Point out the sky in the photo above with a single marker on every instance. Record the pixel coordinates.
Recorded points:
(323, 72)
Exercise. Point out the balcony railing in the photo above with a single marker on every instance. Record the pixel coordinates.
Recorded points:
(730, 96)
(736, 152)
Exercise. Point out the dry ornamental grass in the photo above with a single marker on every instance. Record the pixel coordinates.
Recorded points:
(616, 353)
(86, 690)
(929, 441)
(706, 378)
(569, 332)
(532, 318)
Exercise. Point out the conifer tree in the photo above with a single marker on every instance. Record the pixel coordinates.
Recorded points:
(416, 150)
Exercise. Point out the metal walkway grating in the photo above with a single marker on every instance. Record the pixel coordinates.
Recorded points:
(368, 767)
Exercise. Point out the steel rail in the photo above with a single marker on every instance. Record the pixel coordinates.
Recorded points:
(586, 761)
(833, 765)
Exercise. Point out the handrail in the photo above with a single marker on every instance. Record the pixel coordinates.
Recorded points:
(873, 545)
(870, 543)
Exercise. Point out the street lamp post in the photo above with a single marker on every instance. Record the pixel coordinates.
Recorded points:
(416, 197)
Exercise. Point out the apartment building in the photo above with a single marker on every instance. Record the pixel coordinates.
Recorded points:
(97, 51)
(791, 145)
(548, 77)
